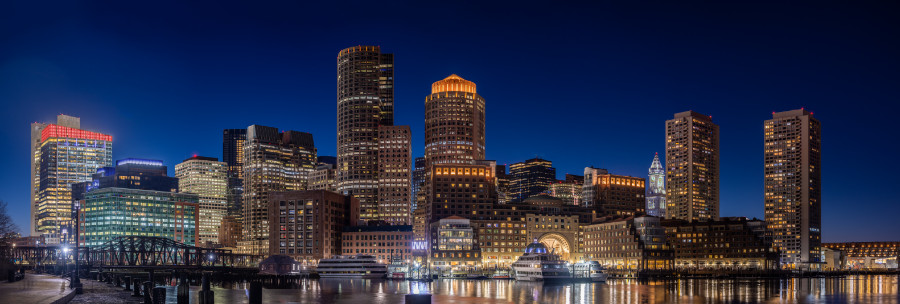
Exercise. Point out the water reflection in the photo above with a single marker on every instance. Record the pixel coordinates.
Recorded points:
(853, 289)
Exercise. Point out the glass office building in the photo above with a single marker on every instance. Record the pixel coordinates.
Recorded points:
(111, 212)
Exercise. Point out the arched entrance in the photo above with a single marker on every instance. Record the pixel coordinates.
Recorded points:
(557, 243)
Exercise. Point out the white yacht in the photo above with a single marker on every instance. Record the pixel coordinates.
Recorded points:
(590, 269)
(536, 264)
(354, 266)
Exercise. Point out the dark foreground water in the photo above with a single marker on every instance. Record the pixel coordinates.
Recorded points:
(852, 289)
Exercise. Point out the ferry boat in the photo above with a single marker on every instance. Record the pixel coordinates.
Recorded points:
(354, 266)
(591, 270)
(397, 270)
(538, 265)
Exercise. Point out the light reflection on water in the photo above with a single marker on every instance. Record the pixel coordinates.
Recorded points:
(852, 289)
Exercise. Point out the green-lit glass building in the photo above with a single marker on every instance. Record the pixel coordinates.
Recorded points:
(111, 212)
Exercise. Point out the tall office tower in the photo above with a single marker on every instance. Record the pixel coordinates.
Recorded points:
(656, 189)
(273, 162)
(233, 156)
(394, 174)
(418, 181)
(365, 100)
(531, 177)
(612, 194)
(793, 184)
(62, 154)
(692, 176)
(454, 123)
(208, 178)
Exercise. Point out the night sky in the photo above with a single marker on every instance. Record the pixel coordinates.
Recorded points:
(578, 85)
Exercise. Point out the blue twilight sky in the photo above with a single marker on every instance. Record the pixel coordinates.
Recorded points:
(576, 84)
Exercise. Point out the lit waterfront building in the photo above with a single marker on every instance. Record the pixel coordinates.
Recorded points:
(612, 194)
(394, 174)
(656, 189)
(692, 173)
(531, 177)
(385, 243)
(365, 101)
(273, 161)
(453, 246)
(730, 242)
(793, 186)
(62, 154)
(454, 123)
(629, 243)
(112, 212)
(307, 225)
(208, 178)
(867, 255)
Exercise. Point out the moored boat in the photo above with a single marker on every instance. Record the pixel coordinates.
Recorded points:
(358, 266)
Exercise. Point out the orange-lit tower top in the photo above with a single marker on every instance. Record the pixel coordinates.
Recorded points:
(453, 83)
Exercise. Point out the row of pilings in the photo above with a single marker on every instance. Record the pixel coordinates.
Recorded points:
(151, 285)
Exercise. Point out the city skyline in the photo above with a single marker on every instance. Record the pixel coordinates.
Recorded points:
(510, 121)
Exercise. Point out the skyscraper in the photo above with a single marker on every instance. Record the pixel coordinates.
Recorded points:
(394, 176)
(531, 177)
(454, 122)
(793, 185)
(692, 176)
(208, 178)
(233, 156)
(365, 100)
(418, 181)
(273, 162)
(62, 154)
(656, 189)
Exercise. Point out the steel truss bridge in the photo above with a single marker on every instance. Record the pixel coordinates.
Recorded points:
(142, 252)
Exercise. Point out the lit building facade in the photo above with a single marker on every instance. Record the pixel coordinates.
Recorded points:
(462, 190)
(656, 189)
(112, 212)
(233, 155)
(365, 101)
(453, 246)
(418, 181)
(322, 178)
(385, 243)
(628, 244)
(454, 122)
(208, 178)
(307, 225)
(612, 194)
(273, 162)
(730, 242)
(531, 177)
(692, 173)
(793, 186)
(570, 193)
(867, 255)
(62, 154)
(394, 174)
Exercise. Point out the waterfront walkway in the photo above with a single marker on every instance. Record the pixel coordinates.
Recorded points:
(34, 289)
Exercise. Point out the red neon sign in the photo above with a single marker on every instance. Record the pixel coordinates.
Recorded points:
(65, 132)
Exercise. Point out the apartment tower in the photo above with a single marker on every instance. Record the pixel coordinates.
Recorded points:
(793, 186)
(394, 174)
(692, 176)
